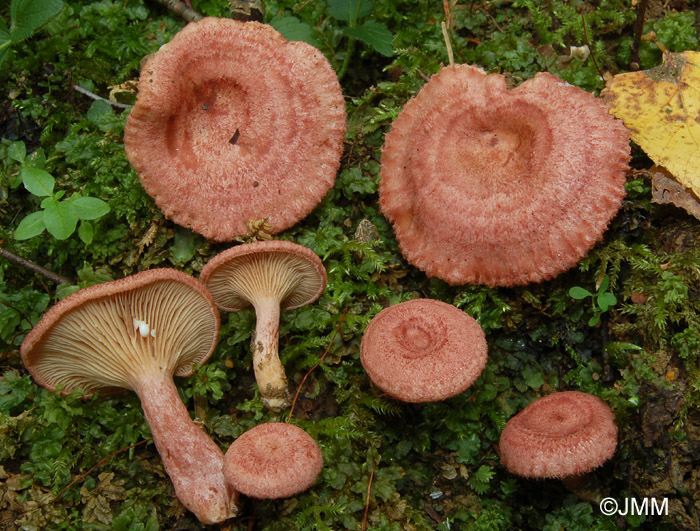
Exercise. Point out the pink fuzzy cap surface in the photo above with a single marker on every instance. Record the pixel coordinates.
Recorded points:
(485, 185)
(559, 435)
(273, 460)
(234, 123)
(423, 350)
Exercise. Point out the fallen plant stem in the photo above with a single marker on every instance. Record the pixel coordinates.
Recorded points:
(94, 96)
(638, 31)
(34, 268)
(99, 463)
(448, 45)
(181, 10)
(303, 380)
(369, 490)
(585, 38)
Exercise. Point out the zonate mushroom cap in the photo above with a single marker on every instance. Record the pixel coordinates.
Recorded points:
(559, 435)
(287, 271)
(159, 320)
(486, 185)
(423, 350)
(273, 460)
(233, 123)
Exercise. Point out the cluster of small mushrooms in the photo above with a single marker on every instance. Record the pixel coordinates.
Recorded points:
(232, 124)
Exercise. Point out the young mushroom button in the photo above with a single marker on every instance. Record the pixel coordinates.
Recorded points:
(234, 123)
(423, 350)
(485, 185)
(273, 460)
(136, 333)
(270, 276)
(562, 435)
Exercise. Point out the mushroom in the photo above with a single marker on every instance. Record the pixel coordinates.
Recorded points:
(233, 123)
(563, 435)
(423, 350)
(487, 185)
(136, 333)
(273, 460)
(271, 276)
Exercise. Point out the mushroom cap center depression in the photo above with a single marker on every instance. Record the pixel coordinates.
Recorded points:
(483, 150)
(214, 120)
(557, 419)
(418, 337)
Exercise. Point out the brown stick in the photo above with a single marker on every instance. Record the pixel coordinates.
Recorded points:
(181, 9)
(638, 30)
(34, 268)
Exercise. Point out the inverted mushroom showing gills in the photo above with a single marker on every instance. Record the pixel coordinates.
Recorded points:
(271, 276)
(273, 460)
(234, 123)
(423, 350)
(136, 333)
(486, 185)
(562, 435)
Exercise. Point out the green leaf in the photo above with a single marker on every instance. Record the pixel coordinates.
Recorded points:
(17, 151)
(89, 207)
(183, 249)
(86, 232)
(60, 219)
(30, 226)
(604, 284)
(579, 293)
(375, 34)
(38, 182)
(594, 320)
(294, 29)
(606, 300)
(28, 15)
(533, 376)
(350, 11)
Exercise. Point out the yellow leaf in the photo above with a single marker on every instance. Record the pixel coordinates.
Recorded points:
(661, 108)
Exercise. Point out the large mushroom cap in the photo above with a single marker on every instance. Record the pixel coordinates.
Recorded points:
(287, 271)
(559, 435)
(159, 320)
(273, 460)
(423, 350)
(233, 123)
(487, 185)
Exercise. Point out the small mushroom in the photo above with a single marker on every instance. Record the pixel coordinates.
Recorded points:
(136, 333)
(563, 435)
(271, 276)
(485, 185)
(234, 123)
(423, 350)
(273, 460)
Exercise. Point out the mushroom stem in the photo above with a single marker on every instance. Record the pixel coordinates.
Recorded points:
(192, 460)
(269, 372)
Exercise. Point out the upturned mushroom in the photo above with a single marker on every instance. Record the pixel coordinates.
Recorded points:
(273, 460)
(485, 185)
(136, 333)
(423, 350)
(234, 123)
(271, 276)
(563, 435)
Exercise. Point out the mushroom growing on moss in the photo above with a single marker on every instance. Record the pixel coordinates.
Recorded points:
(234, 123)
(136, 333)
(423, 350)
(271, 276)
(563, 435)
(273, 460)
(486, 185)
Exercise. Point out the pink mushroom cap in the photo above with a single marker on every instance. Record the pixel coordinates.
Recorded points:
(423, 350)
(273, 460)
(559, 435)
(485, 185)
(234, 123)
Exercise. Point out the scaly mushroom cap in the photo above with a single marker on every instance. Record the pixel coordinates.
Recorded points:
(273, 460)
(559, 435)
(286, 271)
(423, 350)
(159, 320)
(233, 123)
(487, 185)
